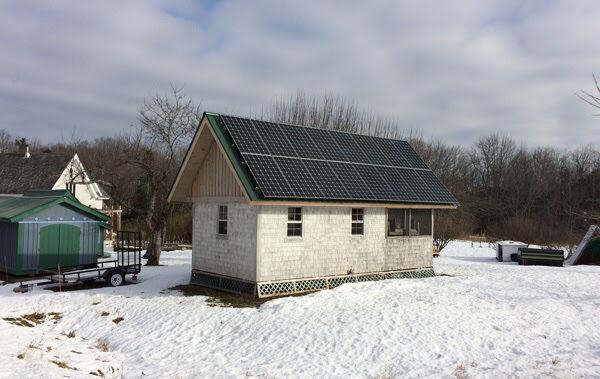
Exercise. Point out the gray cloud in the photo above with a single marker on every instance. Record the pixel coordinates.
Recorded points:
(452, 72)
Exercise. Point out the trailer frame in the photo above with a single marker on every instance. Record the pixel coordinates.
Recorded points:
(114, 271)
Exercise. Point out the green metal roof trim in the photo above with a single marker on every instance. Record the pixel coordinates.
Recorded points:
(234, 156)
(16, 208)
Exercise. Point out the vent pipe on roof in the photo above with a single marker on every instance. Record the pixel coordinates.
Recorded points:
(27, 155)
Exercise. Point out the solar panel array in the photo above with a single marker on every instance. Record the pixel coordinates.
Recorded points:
(296, 162)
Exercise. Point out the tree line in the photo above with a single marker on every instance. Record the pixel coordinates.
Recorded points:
(506, 190)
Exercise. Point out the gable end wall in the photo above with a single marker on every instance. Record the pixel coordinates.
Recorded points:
(214, 177)
(232, 255)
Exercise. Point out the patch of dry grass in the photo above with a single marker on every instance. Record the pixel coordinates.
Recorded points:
(30, 320)
(63, 364)
(460, 372)
(102, 345)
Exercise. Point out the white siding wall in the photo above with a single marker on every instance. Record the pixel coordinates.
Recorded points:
(83, 192)
(233, 255)
(327, 247)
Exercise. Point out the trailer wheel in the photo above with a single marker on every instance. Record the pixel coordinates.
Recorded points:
(115, 278)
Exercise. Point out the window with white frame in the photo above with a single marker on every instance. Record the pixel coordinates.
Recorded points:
(294, 224)
(222, 221)
(358, 221)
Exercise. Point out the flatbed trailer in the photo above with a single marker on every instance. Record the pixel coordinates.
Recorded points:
(113, 271)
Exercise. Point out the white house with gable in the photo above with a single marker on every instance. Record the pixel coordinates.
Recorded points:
(281, 209)
(49, 171)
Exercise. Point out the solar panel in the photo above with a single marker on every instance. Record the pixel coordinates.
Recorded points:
(304, 145)
(390, 149)
(376, 183)
(351, 180)
(246, 138)
(373, 152)
(268, 176)
(414, 181)
(326, 144)
(299, 178)
(396, 180)
(439, 191)
(328, 179)
(275, 141)
(414, 160)
(288, 161)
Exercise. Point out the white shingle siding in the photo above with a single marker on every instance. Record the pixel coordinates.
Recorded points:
(257, 248)
(232, 255)
(328, 248)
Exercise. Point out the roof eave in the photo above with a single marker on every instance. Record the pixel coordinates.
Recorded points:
(67, 200)
(353, 204)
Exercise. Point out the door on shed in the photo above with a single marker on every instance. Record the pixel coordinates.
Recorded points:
(49, 246)
(68, 253)
(59, 244)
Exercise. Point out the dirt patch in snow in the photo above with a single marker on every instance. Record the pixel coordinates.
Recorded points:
(218, 298)
(32, 319)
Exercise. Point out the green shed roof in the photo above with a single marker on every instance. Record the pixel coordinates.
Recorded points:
(14, 208)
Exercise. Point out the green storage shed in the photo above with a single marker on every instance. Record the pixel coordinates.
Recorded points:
(44, 230)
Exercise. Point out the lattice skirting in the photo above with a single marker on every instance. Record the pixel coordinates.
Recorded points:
(290, 287)
(223, 283)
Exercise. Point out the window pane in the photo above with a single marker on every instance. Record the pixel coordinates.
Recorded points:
(357, 214)
(222, 227)
(222, 212)
(294, 214)
(294, 230)
(397, 222)
(420, 222)
(358, 228)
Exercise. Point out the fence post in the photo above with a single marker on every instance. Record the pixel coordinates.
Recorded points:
(59, 280)
(5, 269)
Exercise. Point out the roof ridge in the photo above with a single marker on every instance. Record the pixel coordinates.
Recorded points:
(309, 127)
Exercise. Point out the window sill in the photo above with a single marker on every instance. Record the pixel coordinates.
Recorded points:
(293, 239)
(406, 237)
(222, 236)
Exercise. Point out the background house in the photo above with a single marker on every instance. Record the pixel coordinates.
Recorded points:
(51, 171)
(282, 209)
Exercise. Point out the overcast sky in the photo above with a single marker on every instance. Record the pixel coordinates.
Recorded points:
(452, 70)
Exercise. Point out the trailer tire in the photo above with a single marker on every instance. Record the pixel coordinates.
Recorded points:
(115, 278)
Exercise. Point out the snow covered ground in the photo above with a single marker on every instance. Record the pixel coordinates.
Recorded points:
(478, 319)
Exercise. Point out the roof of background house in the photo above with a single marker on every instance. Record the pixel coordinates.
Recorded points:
(276, 161)
(14, 208)
(40, 171)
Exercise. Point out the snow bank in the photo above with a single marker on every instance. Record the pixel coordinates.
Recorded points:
(479, 318)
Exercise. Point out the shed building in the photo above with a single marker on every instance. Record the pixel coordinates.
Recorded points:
(281, 209)
(44, 230)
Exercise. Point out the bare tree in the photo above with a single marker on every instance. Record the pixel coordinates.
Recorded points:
(21, 144)
(141, 166)
(330, 111)
(592, 99)
(6, 140)
(166, 125)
